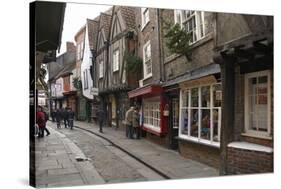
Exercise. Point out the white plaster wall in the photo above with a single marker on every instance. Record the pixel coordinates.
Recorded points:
(85, 66)
(59, 87)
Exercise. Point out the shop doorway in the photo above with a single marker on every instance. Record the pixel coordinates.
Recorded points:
(173, 122)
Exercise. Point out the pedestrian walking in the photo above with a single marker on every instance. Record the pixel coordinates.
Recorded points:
(65, 117)
(46, 119)
(101, 117)
(135, 123)
(128, 120)
(70, 117)
(53, 115)
(58, 118)
(40, 121)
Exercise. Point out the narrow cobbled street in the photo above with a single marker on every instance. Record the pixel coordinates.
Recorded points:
(85, 156)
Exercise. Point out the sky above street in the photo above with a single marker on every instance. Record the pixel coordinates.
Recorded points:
(75, 17)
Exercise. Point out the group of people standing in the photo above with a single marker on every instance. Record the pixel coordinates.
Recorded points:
(132, 119)
(66, 115)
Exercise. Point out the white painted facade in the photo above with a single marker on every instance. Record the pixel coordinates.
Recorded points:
(87, 82)
(57, 88)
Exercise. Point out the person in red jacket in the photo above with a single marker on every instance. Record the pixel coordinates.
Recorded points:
(40, 120)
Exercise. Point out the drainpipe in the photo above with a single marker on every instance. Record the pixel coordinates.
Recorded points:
(159, 27)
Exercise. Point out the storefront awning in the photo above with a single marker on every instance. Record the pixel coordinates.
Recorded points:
(210, 69)
(147, 90)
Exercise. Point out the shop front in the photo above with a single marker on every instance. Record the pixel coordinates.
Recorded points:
(200, 119)
(152, 104)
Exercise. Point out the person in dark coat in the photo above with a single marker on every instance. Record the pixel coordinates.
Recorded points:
(53, 115)
(101, 115)
(136, 123)
(70, 118)
(45, 127)
(40, 121)
(65, 117)
(58, 118)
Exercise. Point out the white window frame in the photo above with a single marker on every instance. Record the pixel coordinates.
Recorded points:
(146, 75)
(85, 79)
(198, 29)
(101, 69)
(248, 129)
(152, 114)
(144, 17)
(115, 60)
(199, 108)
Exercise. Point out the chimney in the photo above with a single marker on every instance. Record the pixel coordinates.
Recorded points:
(70, 47)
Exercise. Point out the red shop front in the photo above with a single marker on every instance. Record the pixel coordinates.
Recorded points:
(154, 116)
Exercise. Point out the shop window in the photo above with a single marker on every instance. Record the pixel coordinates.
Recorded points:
(200, 113)
(151, 108)
(257, 103)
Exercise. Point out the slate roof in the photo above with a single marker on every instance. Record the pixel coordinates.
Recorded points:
(92, 32)
(128, 14)
(105, 20)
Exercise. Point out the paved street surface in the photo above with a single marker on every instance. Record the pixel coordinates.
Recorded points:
(77, 157)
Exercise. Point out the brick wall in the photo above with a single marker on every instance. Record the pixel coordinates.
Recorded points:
(247, 162)
(202, 153)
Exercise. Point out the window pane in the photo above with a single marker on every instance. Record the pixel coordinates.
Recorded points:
(185, 98)
(216, 125)
(205, 96)
(217, 95)
(194, 122)
(262, 119)
(194, 97)
(263, 79)
(184, 122)
(205, 124)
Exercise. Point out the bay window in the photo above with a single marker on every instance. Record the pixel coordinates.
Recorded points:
(258, 103)
(192, 21)
(200, 113)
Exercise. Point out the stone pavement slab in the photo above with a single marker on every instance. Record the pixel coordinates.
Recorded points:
(167, 161)
(56, 164)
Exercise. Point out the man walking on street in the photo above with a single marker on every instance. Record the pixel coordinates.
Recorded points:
(100, 115)
(70, 116)
(129, 119)
(65, 117)
(45, 127)
(58, 118)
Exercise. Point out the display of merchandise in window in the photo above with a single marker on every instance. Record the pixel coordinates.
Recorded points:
(257, 103)
(151, 114)
(200, 112)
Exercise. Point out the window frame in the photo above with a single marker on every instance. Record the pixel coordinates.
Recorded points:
(145, 74)
(247, 126)
(198, 24)
(85, 75)
(143, 21)
(115, 65)
(199, 107)
(101, 69)
(152, 114)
